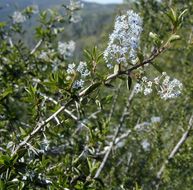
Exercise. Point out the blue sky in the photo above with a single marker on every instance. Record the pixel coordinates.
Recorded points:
(105, 1)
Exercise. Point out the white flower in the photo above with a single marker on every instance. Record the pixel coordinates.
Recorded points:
(124, 40)
(43, 55)
(82, 69)
(166, 81)
(138, 88)
(110, 66)
(24, 177)
(142, 126)
(45, 144)
(144, 79)
(18, 17)
(35, 9)
(155, 119)
(156, 80)
(146, 145)
(78, 84)
(66, 48)
(70, 69)
(170, 88)
(75, 18)
(147, 91)
(74, 5)
(164, 73)
(149, 84)
(166, 87)
(68, 78)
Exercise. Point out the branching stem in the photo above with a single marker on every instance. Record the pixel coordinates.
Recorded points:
(83, 93)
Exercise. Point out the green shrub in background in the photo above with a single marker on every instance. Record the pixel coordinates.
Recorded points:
(118, 118)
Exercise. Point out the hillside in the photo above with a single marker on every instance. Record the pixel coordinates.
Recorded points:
(96, 19)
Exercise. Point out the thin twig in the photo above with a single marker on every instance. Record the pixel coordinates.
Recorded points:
(36, 47)
(146, 61)
(40, 126)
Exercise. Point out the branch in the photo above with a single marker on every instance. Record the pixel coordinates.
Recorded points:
(122, 119)
(84, 93)
(36, 47)
(144, 62)
(40, 126)
(175, 150)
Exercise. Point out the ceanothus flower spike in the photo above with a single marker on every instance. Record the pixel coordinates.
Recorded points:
(124, 41)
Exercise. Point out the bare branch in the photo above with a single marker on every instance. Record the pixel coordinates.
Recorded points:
(122, 119)
(36, 47)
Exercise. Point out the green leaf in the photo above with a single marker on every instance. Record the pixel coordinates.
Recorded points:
(173, 37)
(90, 89)
(172, 16)
(6, 93)
(140, 56)
(156, 39)
(23, 133)
(182, 14)
(99, 57)
(158, 68)
(2, 24)
(87, 54)
(100, 181)
(2, 185)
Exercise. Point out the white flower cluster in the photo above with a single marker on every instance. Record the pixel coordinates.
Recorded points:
(146, 145)
(146, 126)
(75, 5)
(45, 55)
(82, 70)
(35, 9)
(75, 18)
(170, 88)
(155, 119)
(78, 84)
(18, 17)
(145, 86)
(66, 49)
(167, 88)
(124, 40)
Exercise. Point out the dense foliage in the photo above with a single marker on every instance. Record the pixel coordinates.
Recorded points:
(94, 122)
